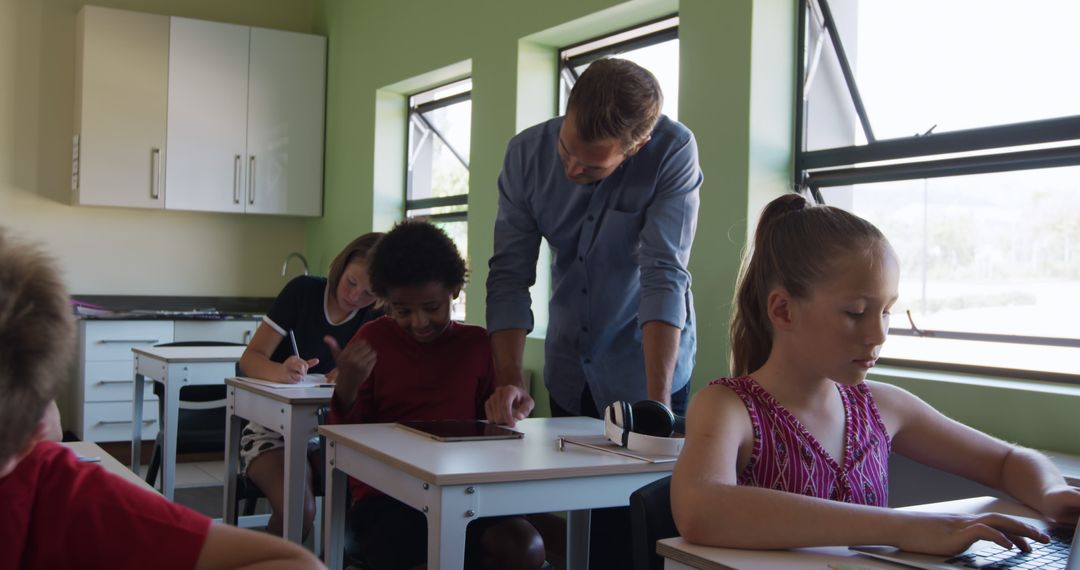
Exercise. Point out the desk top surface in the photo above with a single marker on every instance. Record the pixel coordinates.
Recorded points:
(191, 353)
(107, 462)
(288, 393)
(711, 558)
(535, 456)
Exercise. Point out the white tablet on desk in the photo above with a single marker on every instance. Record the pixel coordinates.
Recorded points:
(459, 430)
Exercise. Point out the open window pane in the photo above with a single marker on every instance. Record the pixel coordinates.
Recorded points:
(439, 144)
(945, 66)
(660, 57)
(439, 140)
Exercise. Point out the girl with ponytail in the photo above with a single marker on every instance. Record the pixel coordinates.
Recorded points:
(793, 450)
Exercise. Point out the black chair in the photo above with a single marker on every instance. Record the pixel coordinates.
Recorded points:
(650, 521)
(201, 418)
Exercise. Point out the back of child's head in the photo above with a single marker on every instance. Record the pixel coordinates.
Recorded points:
(794, 248)
(415, 253)
(37, 341)
(358, 249)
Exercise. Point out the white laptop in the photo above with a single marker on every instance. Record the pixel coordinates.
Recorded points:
(1062, 553)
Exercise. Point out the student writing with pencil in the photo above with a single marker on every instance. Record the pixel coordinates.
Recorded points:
(308, 309)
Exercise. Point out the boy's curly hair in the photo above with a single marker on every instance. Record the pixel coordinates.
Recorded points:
(37, 341)
(415, 252)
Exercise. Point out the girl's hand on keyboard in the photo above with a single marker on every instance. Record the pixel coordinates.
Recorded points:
(952, 534)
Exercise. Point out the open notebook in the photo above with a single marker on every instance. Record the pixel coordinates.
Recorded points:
(309, 381)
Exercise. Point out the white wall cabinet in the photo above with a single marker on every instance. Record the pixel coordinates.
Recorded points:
(245, 120)
(195, 115)
(207, 120)
(101, 403)
(121, 87)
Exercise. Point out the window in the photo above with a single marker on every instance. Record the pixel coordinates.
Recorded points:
(654, 46)
(955, 128)
(437, 177)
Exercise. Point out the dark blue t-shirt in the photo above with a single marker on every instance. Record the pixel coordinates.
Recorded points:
(301, 308)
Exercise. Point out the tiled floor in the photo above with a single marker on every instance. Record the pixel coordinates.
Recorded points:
(198, 474)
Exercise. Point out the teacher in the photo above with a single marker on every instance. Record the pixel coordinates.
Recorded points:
(613, 187)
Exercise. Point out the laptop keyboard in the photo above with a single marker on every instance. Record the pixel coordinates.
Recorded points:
(1051, 556)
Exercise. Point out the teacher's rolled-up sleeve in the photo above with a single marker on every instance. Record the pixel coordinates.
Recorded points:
(666, 237)
(512, 268)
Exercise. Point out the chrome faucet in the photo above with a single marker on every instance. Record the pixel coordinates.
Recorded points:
(285, 264)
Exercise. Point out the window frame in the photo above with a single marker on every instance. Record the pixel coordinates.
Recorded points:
(925, 156)
(569, 59)
(416, 112)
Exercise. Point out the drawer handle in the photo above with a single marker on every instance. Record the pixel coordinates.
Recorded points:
(112, 422)
(128, 341)
(115, 381)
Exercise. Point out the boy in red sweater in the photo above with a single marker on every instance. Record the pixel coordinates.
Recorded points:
(417, 364)
(60, 513)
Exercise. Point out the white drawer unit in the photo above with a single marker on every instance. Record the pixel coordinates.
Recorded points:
(110, 381)
(102, 391)
(103, 388)
(111, 421)
(113, 340)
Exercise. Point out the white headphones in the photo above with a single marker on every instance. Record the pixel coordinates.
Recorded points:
(647, 426)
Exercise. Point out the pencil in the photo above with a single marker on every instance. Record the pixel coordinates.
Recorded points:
(292, 338)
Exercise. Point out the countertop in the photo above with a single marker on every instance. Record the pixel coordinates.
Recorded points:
(170, 308)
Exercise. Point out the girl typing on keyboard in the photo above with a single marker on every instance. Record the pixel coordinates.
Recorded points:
(793, 449)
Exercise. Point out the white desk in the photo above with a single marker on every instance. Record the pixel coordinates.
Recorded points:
(680, 555)
(292, 412)
(175, 367)
(107, 462)
(454, 483)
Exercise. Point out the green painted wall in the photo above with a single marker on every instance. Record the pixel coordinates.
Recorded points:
(737, 73)
(737, 101)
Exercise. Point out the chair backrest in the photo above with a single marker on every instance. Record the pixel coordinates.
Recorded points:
(201, 423)
(650, 521)
(209, 393)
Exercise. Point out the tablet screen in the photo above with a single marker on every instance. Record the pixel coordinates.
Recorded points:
(459, 430)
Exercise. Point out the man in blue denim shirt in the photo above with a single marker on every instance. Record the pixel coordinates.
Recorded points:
(613, 187)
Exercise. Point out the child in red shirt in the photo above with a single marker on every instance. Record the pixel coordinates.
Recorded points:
(62, 513)
(428, 367)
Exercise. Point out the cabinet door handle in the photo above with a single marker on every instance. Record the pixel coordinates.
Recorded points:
(128, 341)
(155, 172)
(246, 337)
(236, 180)
(117, 422)
(115, 381)
(251, 180)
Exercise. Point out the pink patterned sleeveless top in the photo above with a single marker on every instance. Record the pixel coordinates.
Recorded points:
(787, 457)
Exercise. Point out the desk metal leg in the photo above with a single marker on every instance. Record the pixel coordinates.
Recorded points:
(298, 425)
(578, 525)
(136, 420)
(232, 457)
(171, 393)
(334, 510)
(447, 520)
